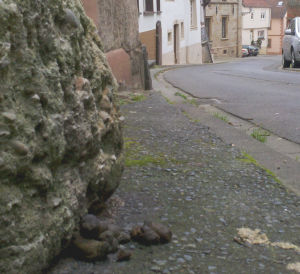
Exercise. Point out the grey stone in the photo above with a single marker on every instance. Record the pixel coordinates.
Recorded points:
(188, 257)
(71, 18)
(50, 140)
(20, 148)
(9, 116)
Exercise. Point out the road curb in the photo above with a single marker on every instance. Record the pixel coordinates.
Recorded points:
(285, 168)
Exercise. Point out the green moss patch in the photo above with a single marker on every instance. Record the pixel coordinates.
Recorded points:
(249, 159)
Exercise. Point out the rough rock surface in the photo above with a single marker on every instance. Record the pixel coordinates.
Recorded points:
(60, 137)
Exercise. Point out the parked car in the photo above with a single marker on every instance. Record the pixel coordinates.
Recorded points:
(245, 52)
(252, 50)
(291, 44)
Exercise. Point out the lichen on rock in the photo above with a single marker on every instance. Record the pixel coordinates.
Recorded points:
(60, 133)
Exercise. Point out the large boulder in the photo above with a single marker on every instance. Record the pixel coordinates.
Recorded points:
(60, 136)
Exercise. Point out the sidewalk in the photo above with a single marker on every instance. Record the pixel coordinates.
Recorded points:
(181, 174)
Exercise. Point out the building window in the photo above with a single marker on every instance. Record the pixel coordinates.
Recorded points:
(261, 34)
(149, 5)
(263, 15)
(269, 43)
(224, 26)
(252, 15)
(158, 5)
(138, 5)
(169, 37)
(193, 14)
(208, 27)
(182, 30)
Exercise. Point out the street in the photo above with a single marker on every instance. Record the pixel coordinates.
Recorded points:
(254, 89)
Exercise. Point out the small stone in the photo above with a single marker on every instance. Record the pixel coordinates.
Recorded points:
(160, 262)
(180, 260)
(191, 245)
(9, 116)
(211, 267)
(90, 250)
(193, 230)
(122, 119)
(105, 104)
(188, 258)
(144, 235)
(36, 98)
(91, 227)
(164, 232)
(124, 238)
(123, 255)
(20, 148)
(116, 230)
(171, 259)
(4, 133)
(155, 268)
(55, 202)
(222, 221)
(71, 18)
(106, 236)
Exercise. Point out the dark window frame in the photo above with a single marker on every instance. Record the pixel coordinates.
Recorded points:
(158, 6)
(149, 5)
(224, 27)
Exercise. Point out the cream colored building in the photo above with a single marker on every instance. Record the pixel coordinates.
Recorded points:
(223, 25)
(256, 22)
(171, 30)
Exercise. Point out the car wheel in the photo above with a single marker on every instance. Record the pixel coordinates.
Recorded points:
(295, 64)
(285, 63)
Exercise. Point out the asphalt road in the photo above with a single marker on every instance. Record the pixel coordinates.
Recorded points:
(253, 88)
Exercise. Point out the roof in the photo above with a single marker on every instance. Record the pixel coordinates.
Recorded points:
(256, 4)
(278, 9)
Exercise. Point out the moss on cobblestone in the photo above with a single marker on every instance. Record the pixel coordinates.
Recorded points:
(249, 159)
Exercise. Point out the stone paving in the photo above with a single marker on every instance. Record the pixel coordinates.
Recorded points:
(182, 175)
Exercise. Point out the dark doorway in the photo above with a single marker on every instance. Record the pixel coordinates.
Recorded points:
(176, 44)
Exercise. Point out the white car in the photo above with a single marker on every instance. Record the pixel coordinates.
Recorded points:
(291, 45)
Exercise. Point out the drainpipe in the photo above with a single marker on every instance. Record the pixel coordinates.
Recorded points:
(237, 27)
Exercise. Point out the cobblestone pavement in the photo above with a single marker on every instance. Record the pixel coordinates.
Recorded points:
(182, 175)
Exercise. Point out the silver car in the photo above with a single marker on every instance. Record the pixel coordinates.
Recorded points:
(291, 45)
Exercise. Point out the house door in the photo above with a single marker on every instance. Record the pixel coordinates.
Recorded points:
(176, 44)
(158, 43)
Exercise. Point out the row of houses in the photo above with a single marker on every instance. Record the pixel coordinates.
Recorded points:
(175, 31)
(185, 31)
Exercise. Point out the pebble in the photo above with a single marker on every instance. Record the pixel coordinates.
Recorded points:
(180, 260)
(160, 262)
(9, 116)
(188, 258)
(155, 268)
(171, 258)
(20, 148)
(193, 230)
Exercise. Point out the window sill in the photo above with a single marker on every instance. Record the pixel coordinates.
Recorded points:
(148, 12)
(193, 27)
(224, 39)
(159, 12)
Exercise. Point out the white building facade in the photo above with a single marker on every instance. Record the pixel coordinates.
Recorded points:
(256, 22)
(171, 30)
